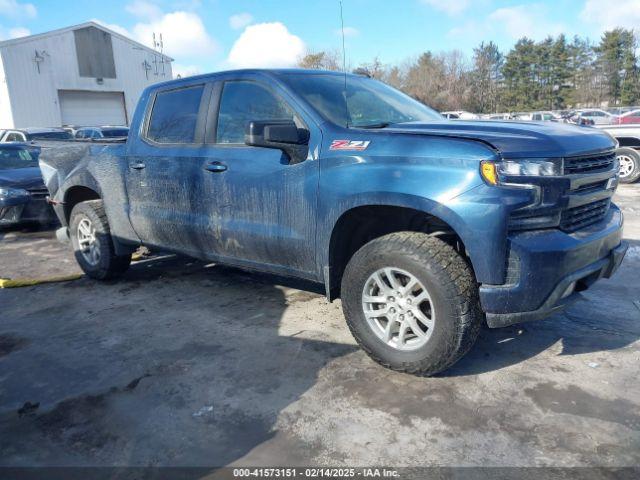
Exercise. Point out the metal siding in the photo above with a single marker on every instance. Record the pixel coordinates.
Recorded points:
(94, 53)
(34, 96)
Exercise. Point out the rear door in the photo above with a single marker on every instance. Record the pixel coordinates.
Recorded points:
(168, 203)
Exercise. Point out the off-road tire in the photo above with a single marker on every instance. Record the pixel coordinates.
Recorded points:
(110, 265)
(634, 156)
(450, 283)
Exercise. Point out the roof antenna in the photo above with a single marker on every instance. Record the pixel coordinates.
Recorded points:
(344, 66)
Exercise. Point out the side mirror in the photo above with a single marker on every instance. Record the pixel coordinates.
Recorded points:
(279, 134)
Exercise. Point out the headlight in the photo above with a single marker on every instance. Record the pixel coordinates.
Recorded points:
(496, 173)
(6, 193)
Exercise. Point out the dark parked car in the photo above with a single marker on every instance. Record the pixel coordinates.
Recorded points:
(22, 190)
(425, 227)
(101, 132)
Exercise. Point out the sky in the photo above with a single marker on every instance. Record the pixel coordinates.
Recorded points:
(210, 35)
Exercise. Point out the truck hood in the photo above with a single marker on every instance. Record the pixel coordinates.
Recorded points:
(518, 139)
(27, 178)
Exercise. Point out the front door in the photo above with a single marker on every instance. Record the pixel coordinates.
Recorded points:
(265, 206)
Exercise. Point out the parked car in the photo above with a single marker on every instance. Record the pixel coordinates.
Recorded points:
(22, 190)
(628, 153)
(627, 118)
(521, 116)
(598, 116)
(101, 132)
(577, 119)
(412, 219)
(545, 117)
(72, 129)
(29, 134)
(460, 114)
(498, 116)
(12, 136)
(620, 110)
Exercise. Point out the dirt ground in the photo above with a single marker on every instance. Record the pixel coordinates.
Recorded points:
(183, 363)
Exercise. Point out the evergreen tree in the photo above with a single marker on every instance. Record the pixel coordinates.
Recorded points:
(520, 77)
(618, 64)
(486, 78)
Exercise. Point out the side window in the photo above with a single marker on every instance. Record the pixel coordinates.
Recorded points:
(175, 115)
(14, 137)
(242, 102)
(80, 134)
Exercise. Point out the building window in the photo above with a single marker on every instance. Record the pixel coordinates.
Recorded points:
(95, 53)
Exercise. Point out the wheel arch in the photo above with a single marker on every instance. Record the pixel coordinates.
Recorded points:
(75, 195)
(632, 142)
(365, 221)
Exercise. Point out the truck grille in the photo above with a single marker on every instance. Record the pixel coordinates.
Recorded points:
(576, 218)
(589, 164)
(39, 192)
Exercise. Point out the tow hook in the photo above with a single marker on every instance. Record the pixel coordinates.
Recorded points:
(51, 201)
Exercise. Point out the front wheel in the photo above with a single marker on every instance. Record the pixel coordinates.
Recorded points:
(92, 243)
(411, 302)
(629, 161)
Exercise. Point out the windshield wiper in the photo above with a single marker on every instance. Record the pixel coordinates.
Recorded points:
(374, 125)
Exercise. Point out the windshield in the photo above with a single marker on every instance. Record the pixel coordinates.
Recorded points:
(115, 132)
(16, 158)
(369, 103)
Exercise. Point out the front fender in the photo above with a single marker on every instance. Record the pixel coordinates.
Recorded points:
(440, 177)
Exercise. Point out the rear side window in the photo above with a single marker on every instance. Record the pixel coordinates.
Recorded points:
(243, 102)
(175, 115)
(15, 137)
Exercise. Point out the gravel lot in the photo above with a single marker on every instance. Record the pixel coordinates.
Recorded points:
(187, 364)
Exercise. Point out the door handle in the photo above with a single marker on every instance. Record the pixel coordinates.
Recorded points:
(215, 167)
(137, 166)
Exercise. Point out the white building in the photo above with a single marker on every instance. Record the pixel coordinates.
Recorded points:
(81, 75)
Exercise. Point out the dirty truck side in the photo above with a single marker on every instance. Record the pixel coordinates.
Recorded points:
(424, 227)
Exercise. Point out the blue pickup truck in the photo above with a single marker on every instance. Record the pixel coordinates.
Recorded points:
(424, 227)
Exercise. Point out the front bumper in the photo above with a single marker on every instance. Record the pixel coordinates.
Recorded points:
(26, 210)
(552, 267)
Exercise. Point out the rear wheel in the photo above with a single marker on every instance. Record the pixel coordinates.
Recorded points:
(92, 242)
(411, 302)
(629, 161)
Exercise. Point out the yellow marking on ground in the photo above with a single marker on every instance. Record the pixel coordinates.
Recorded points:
(29, 282)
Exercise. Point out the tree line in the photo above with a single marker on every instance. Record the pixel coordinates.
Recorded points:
(552, 74)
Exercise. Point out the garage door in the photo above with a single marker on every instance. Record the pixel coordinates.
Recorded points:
(92, 108)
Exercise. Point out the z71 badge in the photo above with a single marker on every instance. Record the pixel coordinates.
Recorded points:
(355, 145)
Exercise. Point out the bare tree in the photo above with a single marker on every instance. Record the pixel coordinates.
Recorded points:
(321, 60)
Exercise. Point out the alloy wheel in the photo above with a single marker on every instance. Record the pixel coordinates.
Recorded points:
(398, 308)
(626, 165)
(88, 242)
